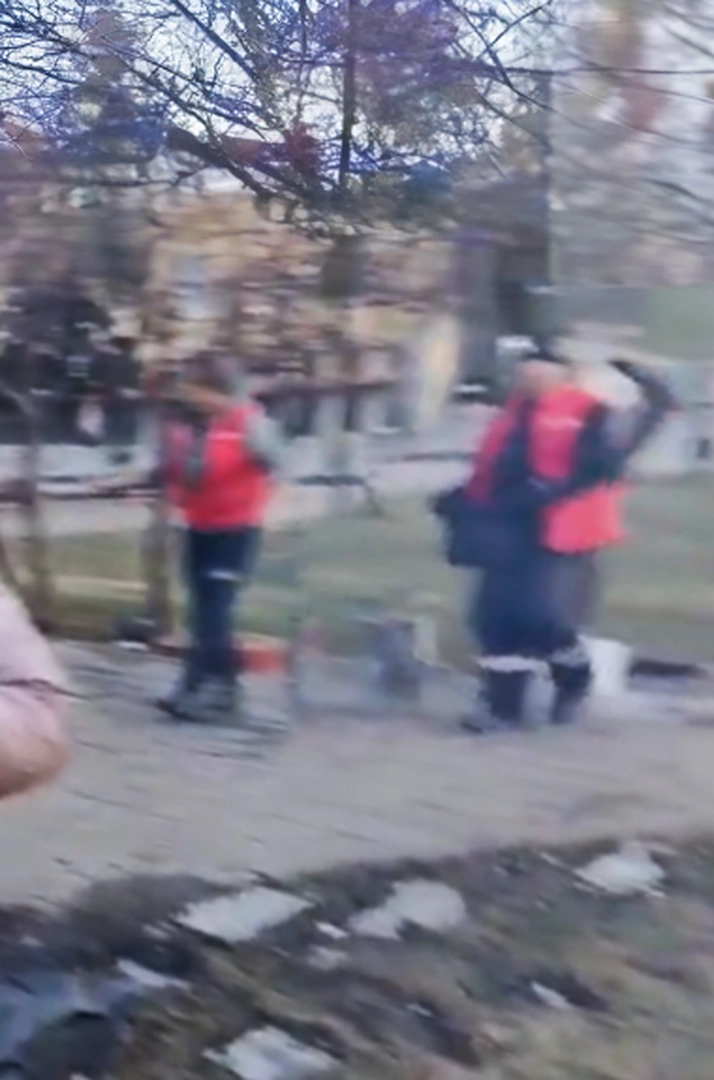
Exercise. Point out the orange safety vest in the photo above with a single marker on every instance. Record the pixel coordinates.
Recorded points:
(233, 491)
(585, 522)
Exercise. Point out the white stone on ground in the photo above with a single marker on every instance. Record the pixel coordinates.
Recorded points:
(242, 916)
(550, 997)
(271, 1054)
(148, 979)
(627, 872)
(328, 930)
(430, 905)
(322, 958)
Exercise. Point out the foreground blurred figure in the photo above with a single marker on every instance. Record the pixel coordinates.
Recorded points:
(33, 697)
(542, 500)
(221, 455)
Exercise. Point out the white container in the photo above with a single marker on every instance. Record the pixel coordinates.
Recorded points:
(611, 662)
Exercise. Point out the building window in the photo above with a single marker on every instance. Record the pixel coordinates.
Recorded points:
(191, 287)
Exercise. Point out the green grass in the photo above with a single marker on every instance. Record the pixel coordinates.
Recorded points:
(659, 586)
(679, 322)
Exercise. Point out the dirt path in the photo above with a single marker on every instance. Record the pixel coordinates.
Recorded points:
(142, 797)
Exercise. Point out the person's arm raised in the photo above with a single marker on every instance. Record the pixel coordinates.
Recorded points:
(658, 401)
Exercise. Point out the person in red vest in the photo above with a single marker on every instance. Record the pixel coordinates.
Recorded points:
(542, 500)
(221, 459)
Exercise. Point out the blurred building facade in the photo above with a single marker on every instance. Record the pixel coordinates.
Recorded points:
(191, 268)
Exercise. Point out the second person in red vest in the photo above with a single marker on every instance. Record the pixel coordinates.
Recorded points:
(545, 493)
(221, 460)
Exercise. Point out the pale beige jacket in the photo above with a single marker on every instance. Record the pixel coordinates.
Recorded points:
(34, 694)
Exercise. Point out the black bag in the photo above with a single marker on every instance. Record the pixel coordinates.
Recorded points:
(475, 537)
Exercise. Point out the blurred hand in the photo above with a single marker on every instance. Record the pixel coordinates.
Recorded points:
(654, 387)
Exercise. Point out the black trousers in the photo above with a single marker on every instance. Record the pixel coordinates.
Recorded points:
(534, 610)
(217, 565)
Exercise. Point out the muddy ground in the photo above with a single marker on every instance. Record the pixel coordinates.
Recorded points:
(632, 979)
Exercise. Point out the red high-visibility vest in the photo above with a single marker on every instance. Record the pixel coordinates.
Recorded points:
(585, 522)
(233, 490)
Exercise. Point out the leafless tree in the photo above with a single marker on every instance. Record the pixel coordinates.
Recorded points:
(633, 142)
(317, 101)
(333, 113)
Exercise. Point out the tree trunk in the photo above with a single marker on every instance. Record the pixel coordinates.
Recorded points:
(157, 551)
(475, 275)
(37, 541)
(157, 567)
(40, 593)
(349, 95)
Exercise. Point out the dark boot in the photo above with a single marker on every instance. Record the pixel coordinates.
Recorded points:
(572, 684)
(182, 697)
(502, 702)
(218, 702)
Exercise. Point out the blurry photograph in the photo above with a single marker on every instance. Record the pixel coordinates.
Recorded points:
(356, 539)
